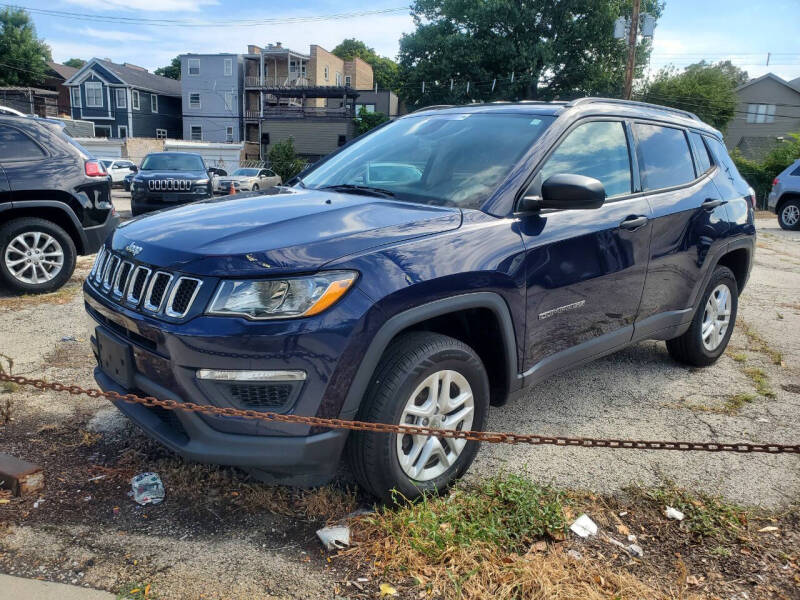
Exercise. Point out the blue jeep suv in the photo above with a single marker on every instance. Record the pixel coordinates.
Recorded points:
(436, 266)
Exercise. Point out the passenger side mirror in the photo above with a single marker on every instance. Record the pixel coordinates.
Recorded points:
(134, 168)
(565, 190)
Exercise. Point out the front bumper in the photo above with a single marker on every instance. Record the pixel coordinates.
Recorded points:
(148, 201)
(772, 201)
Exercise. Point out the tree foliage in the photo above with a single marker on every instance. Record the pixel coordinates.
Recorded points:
(706, 89)
(75, 63)
(24, 56)
(284, 161)
(558, 49)
(172, 70)
(760, 174)
(384, 70)
(367, 120)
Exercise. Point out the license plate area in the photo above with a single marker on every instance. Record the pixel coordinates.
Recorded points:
(116, 358)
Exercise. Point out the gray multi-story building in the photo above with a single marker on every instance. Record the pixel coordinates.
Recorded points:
(211, 91)
(125, 100)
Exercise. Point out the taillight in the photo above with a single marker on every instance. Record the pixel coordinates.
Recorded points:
(751, 195)
(774, 182)
(94, 168)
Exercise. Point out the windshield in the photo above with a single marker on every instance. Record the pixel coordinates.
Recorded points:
(246, 172)
(446, 159)
(172, 162)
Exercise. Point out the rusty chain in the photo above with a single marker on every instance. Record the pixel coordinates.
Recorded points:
(477, 436)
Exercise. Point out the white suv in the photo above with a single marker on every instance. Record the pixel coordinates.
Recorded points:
(118, 168)
(784, 199)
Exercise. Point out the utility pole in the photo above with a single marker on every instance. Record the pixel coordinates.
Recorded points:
(632, 35)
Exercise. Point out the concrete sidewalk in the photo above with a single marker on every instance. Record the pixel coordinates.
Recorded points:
(33, 589)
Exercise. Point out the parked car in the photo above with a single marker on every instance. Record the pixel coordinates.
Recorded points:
(126, 182)
(167, 179)
(538, 237)
(784, 198)
(55, 204)
(119, 169)
(246, 180)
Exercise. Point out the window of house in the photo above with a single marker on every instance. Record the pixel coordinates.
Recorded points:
(370, 108)
(760, 113)
(94, 94)
(161, 134)
(597, 149)
(135, 99)
(228, 66)
(194, 100)
(347, 80)
(194, 66)
(76, 96)
(122, 130)
(122, 97)
(700, 152)
(196, 133)
(229, 100)
(292, 66)
(664, 156)
(229, 133)
(15, 145)
(338, 79)
(102, 131)
(326, 72)
(153, 103)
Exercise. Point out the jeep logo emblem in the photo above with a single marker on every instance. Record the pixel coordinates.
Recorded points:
(133, 248)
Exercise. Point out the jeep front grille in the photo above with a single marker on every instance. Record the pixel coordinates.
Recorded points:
(169, 185)
(143, 288)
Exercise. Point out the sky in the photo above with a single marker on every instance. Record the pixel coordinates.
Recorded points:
(688, 31)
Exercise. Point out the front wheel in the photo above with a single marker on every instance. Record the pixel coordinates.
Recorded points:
(255, 187)
(36, 255)
(789, 215)
(424, 379)
(712, 326)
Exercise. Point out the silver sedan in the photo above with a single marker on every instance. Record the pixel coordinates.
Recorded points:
(246, 180)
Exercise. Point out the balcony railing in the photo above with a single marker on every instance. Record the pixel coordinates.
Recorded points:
(272, 81)
(300, 112)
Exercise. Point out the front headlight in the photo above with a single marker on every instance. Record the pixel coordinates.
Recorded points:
(281, 298)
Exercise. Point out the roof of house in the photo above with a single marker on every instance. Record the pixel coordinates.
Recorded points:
(62, 70)
(134, 76)
(793, 85)
(756, 147)
(25, 90)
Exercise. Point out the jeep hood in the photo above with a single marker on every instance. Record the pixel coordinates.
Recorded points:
(145, 175)
(288, 231)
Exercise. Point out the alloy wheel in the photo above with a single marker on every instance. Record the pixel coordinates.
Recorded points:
(791, 215)
(717, 317)
(34, 257)
(443, 400)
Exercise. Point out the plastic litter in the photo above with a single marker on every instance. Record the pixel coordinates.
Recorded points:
(147, 488)
(334, 538)
(69, 338)
(583, 526)
(674, 513)
(635, 550)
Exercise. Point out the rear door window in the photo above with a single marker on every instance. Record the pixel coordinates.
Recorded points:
(700, 153)
(664, 156)
(15, 145)
(597, 149)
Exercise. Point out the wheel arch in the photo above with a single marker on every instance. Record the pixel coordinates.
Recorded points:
(448, 316)
(785, 197)
(49, 210)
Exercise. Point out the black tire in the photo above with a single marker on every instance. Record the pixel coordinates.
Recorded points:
(255, 187)
(405, 364)
(689, 348)
(790, 206)
(14, 228)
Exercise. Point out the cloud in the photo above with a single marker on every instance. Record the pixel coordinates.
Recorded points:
(145, 5)
(115, 36)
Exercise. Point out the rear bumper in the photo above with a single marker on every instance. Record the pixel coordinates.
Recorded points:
(95, 236)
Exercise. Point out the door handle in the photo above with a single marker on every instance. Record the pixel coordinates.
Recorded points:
(712, 203)
(633, 222)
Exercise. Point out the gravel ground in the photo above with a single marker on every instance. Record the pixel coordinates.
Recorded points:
(638, 393)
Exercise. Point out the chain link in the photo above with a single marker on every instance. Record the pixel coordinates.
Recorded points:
(476, 436)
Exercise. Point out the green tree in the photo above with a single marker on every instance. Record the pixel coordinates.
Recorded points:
(172, 70)
(554, 50)
(284, 161)
(367, 120)
(23, 55)
(384, 70)
(760, 174)
(76, 63)
(702, 88)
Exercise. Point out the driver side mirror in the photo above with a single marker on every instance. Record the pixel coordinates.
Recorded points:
(564, 191)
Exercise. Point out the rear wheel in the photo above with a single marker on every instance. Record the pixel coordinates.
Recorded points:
(712, 326)
(36, 256)
(424, 379)
(789, 215)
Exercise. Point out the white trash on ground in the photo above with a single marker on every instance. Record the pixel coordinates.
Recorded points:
(147, 488)
(334, 538)
(674, 513)
(584, 526)
(635, 550)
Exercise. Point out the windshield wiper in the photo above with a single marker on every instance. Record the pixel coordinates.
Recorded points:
(359, 189)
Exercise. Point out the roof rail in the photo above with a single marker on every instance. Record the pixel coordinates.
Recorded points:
(592, 100)
(434, 107)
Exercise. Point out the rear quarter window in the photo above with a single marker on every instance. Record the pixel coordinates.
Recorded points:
(664, 156)
(700, 152)
(796, 172)
(15, 145)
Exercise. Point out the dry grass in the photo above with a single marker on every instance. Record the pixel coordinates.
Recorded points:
(761, 381)
(757, 343)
